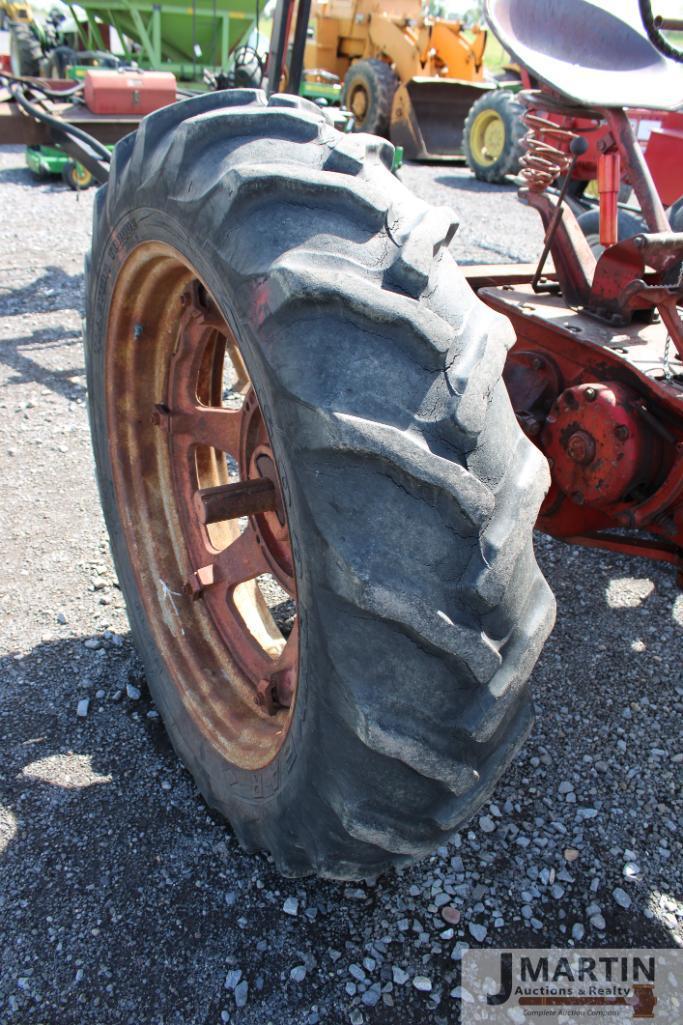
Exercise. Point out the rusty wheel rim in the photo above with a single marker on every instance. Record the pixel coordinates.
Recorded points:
(199, 488)
(359, 103)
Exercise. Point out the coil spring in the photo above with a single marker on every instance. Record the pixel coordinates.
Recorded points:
(544, 161)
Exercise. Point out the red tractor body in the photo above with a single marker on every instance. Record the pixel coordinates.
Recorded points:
(664, 156)
(596, 375)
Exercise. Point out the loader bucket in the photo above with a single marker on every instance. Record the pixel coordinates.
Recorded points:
(428, 114)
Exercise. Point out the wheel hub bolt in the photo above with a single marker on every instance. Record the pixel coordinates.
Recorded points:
(581, 448)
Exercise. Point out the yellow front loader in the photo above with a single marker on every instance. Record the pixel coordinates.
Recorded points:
(406, 75)
(14, 11)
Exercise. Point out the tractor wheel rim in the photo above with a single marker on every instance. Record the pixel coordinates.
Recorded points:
(82, 177)
(197, 479)
(359, 103)
(487, 137)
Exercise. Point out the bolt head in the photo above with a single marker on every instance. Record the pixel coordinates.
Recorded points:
(581, 447)
(193, 588)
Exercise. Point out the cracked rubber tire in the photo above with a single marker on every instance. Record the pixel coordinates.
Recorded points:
(411, 492)
(500, 108)
(377, 83)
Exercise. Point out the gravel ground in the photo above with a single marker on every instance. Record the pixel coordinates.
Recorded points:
(123, 901)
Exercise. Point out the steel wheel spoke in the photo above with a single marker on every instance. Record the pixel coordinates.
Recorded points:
(290, 652)
(276, 688)
(242, 383)
(200, 430)
(206, 425)
(242, 560)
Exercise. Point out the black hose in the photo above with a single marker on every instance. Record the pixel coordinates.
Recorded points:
(60, 126)
(656, 36)
(52, 94)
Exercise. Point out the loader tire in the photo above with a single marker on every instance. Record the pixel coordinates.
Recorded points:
(368, 92)
(408, 490)
(25, 51)
(493, 136)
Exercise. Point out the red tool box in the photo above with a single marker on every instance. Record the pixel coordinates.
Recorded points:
(126, 91)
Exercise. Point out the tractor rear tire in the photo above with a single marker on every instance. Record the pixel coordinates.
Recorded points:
(493, 136)
(368, 92)
(409, 489)
(25, 51)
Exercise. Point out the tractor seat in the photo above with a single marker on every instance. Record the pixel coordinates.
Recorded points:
(594, 56)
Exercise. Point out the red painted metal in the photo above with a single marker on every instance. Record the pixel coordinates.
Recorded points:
(658, 134)
(596, 375)
(128, 92)
(616, 380)
(609, 183)
(664, 156)
(599, 449)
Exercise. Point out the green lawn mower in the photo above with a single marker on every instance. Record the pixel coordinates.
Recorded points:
(45, 161)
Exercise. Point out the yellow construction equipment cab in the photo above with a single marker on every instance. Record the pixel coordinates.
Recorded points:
(406, 75)
(14, 11)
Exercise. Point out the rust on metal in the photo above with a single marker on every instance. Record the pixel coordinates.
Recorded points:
(230, 501)
(196, 471)
(607, 389)
(596, 375)
(600, 448)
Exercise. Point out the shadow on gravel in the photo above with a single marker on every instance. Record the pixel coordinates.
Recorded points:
(24, 176)
(473, 184)
(122, 900)
(53, 290)
(29, 370)
(18, 176)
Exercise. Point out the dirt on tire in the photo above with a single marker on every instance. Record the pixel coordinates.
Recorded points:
(411, 492)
